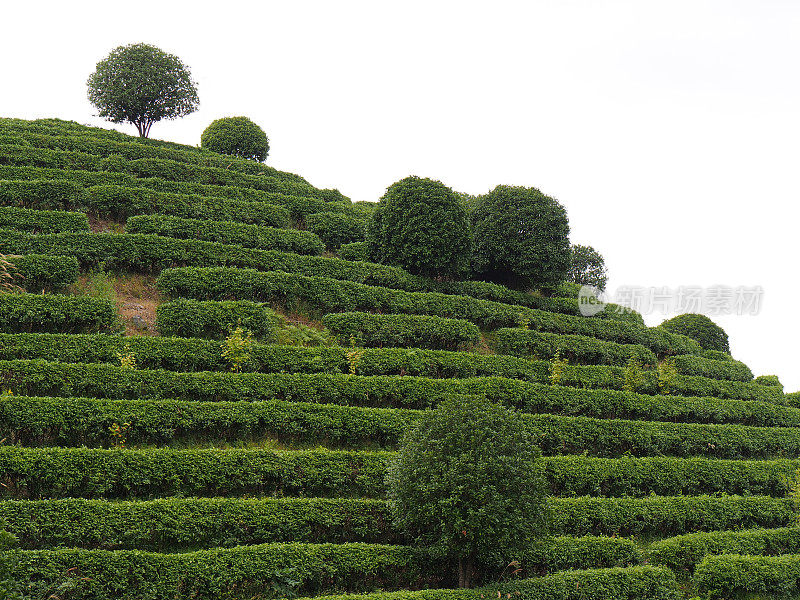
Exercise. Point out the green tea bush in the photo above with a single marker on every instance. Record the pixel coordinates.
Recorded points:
(41, 273)
(228, 232)
(336, 228)
(355, 251)
(214, 320)
(237, 136)
(42, 221)
(733, 575)
(730, 369)
(575, 348)
(54, 313)
(419, 331)
(699, 327)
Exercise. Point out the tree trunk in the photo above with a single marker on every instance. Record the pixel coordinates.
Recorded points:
(465, 571)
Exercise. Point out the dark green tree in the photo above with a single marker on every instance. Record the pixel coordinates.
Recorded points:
(521, 238)
(467, 484)
(237, 136)
(142, 84)
(700, 328)
(587, 267)
(421, 226)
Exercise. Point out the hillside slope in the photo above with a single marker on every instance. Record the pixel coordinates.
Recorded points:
(144, 458)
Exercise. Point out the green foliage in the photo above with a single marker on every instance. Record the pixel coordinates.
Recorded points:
(467, 484)
(337, 228)
(418, 331)
(236, 348)
(575, 348)
(667, 376)
(214, 320)
(734, 576)
(587, 267)
(420, 225)
(40, 273)
(142, 85)
(730, 369)
(96, 284)
(237, 136)
(42, 221)
(769, 381)
(227, 232)
(329, 295)
(634, 375)
(557, 366)
(699, 327)
(51, 313)
(521, 238)
(355, 251)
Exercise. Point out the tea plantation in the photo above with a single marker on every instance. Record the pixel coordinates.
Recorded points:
(150, 453)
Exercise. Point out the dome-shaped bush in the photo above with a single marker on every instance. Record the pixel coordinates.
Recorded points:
(237, 136)
(701, 329)
(421, 226)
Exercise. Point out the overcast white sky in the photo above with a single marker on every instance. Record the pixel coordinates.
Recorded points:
(668, 130)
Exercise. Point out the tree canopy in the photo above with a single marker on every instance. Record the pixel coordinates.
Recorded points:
(421, 226)
(467, 484)
(237, 136)
(142, 84)
(587, 267)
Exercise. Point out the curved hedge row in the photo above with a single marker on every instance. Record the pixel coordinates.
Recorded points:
(228, 232)
(236, 573)
(684, 552)
(42, 221)
(575, 348)
(335, 229)
(657, 516)
(732, 370)
(354, 251)
(83, 421)
(418, 331)
(53, 313)
(44, 273)
(171, 170)
(733, 575)
(214, 320)
(297, 205)
(332, 295)
(42, 378)
(171, 524)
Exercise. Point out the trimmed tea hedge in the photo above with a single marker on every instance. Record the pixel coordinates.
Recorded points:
(631, 583)
(53, 313)
(575, 348)
(228, 232)
(732, 370)
(34, 473)
(657, 516)
(42, 221)
(242, 572)
(37, 377)
(38, 272)
(331, 295)
(82, 421)
(355, 251)
(733, 575)
(420, 331)
(335, 229)
(683, 553)
(214, 320)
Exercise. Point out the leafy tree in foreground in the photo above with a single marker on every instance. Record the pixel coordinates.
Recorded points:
(521, 238)
(237, 136)
(587, 267)
(421, 226)
(467, 484)
(700, 328)
(142, 84)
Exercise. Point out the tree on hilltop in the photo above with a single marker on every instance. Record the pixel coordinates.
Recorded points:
(587, 267)
(142, 84)
(237, 136)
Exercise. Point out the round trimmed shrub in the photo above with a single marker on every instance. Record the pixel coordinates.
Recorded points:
(521, 238)
(237, 136)
(700, 328)
(421, 226)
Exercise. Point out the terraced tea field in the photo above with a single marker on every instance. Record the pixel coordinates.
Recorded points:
(141, 459)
